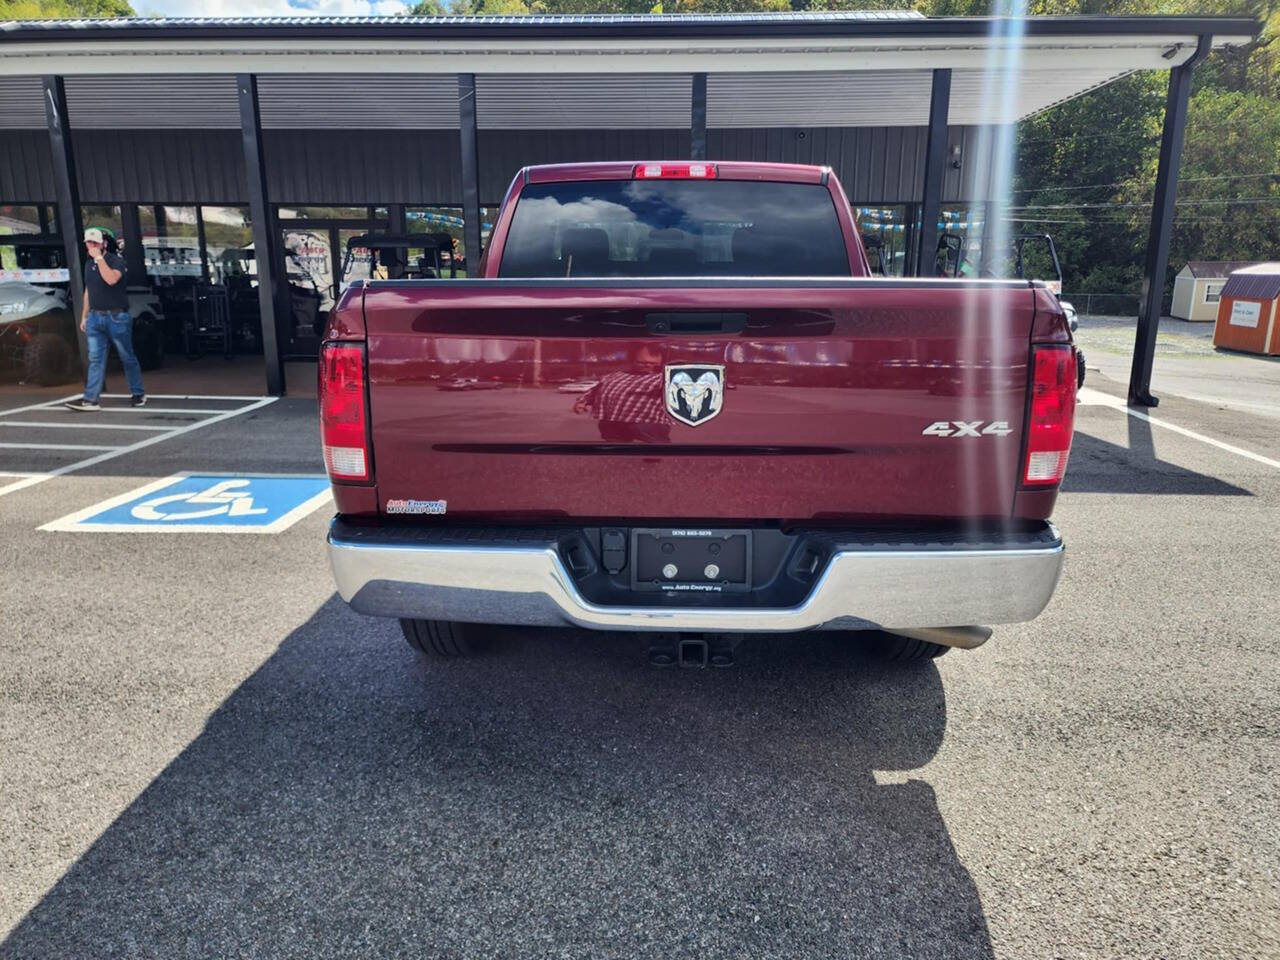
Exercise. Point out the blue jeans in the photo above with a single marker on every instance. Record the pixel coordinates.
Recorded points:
(103, 329)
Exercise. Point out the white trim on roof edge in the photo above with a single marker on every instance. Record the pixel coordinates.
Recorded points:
(692, 55)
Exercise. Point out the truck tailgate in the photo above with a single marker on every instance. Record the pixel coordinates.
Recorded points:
(841, 399)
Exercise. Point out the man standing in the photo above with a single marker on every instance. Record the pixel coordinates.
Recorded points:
(105, 320)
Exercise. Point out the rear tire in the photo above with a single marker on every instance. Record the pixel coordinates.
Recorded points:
(46, 361)
(440, 639)
(892, 648)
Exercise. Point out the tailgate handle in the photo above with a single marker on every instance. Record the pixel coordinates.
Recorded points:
(699, 322)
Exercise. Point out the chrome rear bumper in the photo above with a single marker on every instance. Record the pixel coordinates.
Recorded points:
(865, 586)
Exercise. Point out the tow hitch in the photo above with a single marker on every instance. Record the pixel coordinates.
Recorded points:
(694, 650)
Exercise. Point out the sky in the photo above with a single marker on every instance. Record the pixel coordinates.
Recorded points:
(270, 8)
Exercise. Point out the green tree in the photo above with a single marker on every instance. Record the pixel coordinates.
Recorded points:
(63, 9)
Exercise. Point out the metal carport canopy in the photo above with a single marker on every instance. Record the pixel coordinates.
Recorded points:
(1079, 52)
(743, 70)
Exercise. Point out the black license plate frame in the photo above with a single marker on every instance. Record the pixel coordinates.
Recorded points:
(692, 547)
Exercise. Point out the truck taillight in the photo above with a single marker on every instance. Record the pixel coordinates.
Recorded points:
(1051, 419)
(344, 420)
(675, 171)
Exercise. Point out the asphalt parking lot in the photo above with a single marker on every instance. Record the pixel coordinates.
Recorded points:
(203, 753)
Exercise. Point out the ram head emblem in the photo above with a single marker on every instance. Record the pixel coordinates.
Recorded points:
(695, 393)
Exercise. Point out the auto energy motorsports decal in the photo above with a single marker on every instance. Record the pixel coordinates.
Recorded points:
(435, 507)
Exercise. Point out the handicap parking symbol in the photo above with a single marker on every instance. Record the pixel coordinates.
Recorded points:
(204, 503)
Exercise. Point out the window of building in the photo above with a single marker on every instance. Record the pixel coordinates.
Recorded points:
(228, 238)
(29, 251)
(322, 213)
(1213, 292)
(442, 219)
(884, 235)
(171, 244)
(15, 219)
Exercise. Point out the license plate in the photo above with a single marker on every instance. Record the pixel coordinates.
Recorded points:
(691, 560)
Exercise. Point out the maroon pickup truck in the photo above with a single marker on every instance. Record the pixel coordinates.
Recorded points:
(674, 399)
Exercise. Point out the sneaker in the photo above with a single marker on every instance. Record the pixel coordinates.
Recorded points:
(139, 401)
(82, 405)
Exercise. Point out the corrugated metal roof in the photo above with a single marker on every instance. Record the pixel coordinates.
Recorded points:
(1218, 269)
(157, 102)
(21, 104)
(598, 19)
(868, 23)
(1260, 281)
(209, 102)
(623, 101)
(583, 101)
(890, 98)
(338, 101)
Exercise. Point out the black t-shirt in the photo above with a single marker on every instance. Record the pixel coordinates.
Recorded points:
(111, 298)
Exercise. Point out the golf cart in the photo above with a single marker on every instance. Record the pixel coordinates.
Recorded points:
(418, 256)
(38, 327)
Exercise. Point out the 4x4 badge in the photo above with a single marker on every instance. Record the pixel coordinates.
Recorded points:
(694, 391)
(970, 428)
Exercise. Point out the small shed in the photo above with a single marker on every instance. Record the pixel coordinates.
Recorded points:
(1198, 286)
(1249, 310)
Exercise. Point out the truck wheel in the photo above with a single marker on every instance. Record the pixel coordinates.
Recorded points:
(46, 361)
(892, 648)
(439, 639)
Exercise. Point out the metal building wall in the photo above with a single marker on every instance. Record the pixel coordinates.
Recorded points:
(26, 166)
(363, 166)
(876, 164)
(504, 152)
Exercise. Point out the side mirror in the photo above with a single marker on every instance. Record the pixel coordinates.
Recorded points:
(1070, 311)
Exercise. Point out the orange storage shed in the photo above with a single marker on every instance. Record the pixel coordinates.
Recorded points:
(1249, 310)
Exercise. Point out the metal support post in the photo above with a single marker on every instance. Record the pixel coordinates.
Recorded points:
(698, 119)
(395, 218)
(265, 248)
(1162, 210)
(202, 242)
(68, 196)
(935, 159)
(135, 257)
(470, 170)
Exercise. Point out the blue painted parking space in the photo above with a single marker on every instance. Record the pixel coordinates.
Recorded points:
(204, 503)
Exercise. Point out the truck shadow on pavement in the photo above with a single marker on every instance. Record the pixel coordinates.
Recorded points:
(1098, 466)
(559, 796)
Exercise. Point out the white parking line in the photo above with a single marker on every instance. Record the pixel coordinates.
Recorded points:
(1091, 397)
(48, 404)
(55, 446)
(30, 481)
(183, 396)
(200, 411)
(80, 425)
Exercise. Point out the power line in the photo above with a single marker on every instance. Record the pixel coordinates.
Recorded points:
(1114, 206)
(1091, 136)
(1121, 221)
(1181, 180)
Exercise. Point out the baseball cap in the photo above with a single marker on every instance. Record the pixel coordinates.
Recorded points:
(93, 235)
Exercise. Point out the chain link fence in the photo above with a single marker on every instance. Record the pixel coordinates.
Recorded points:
(1104, 304)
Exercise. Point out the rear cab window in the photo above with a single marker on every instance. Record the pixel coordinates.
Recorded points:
(674, 228)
